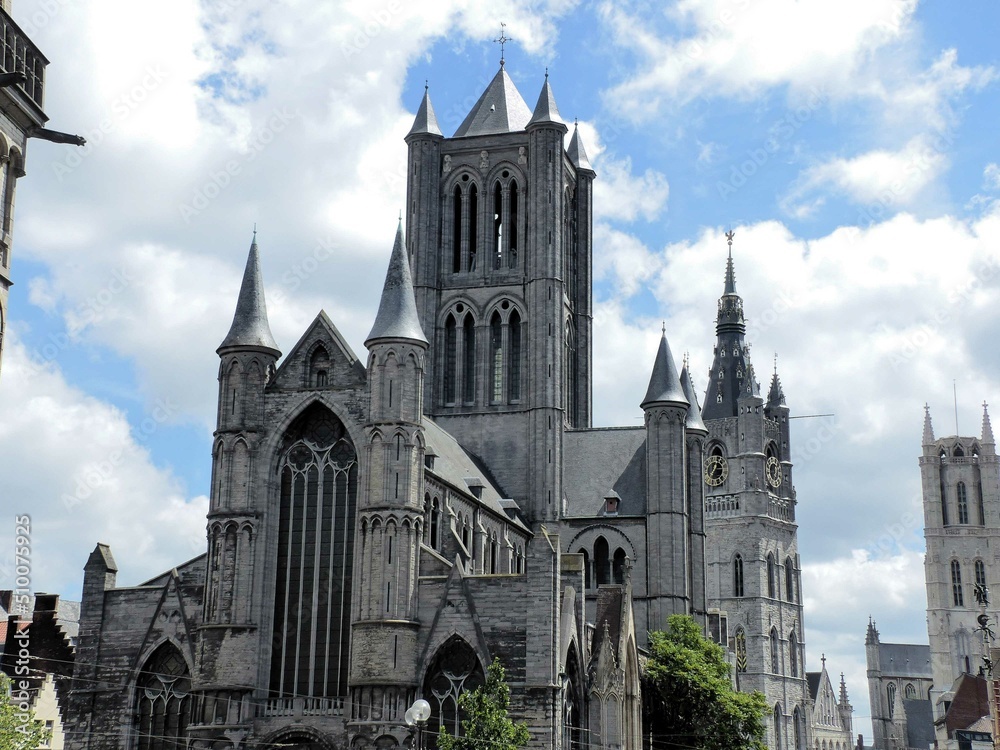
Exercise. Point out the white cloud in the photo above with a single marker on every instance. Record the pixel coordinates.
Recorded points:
(620, 195)
(991, 177)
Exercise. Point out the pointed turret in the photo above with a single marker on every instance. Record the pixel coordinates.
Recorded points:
(576, 152)
(776, 396)
(843, 691)
(664, 383)
(987, 427)
(871, 637)
(546, 110)
(928, 429)
(425, 123)
(250, 329)
(500, 109)
(694, 422)
(397, 310)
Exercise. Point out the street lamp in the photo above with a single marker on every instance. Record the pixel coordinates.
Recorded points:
(416, 716)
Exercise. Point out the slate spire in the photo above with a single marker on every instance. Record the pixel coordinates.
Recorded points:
(250, 328)
(928, 429)
(694, 422)
(546, 110)
(664, 383)
(397, 310)
(425, 123)
(776, 396)
(576, 152)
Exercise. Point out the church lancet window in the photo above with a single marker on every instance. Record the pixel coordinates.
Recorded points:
(469, 365)
(498, 226)
(980, 573)
(772, 587)
(982, 509)
(777, 728)
(963, 503)
(910, 692)
(455, 670)
(318, 483)
(434, 527)
(602, 563)
(793, 655)
(738, 576)
(513, 234)
(450, 358)
(956, 584)
(514, 357)
(456, 230)
(741, 650)
(890, 696)
(775, 652)
(496, 359)
(163, 706)
(789, 580)
(570, 373)
(797, 729)
(319, 368)
(473, 226)
(618, 570)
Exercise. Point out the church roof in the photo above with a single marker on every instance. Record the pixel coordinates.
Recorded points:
(397, 310)
(576, 152)
(425, 123)
(814, 679)
(694, 421)
(664, 383)
(545, 109)
(905, 660)
(250, 327)
(500, 109)
(600, 461)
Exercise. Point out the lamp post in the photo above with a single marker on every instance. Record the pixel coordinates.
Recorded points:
(416, 716)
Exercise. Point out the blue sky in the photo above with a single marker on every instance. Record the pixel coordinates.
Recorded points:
(852, 146)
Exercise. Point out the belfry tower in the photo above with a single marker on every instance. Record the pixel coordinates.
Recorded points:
(752, 549)
(499, 234)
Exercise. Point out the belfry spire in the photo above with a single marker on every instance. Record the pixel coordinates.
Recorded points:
(987, 427)
(730, 287)
(397, 310)
(250, 327)
(928, 429)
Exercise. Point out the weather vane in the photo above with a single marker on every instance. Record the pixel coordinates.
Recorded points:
(501, 40)
(729, 237)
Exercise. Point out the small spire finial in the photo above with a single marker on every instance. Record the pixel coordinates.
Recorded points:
(775, 363)
(502, 40)
(546, 72)
(400, 214)
(255, 231)
(823, 659)
(427, 85)
(663, 328)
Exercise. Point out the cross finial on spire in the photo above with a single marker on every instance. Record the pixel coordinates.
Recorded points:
(663, 328)
(502, 40)
(255, 238)
(823, 659)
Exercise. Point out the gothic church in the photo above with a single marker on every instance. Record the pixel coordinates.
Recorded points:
(381, 529)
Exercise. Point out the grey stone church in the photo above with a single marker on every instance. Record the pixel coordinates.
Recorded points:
(381, 529)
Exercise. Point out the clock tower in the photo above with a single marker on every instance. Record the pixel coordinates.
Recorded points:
(751, 546)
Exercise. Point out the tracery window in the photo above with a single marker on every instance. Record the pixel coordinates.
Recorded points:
(963, 503)
(738, 576)
(163, 705)
(789, 580)
(890, 696)
(455, 670)
(910, 692)
(775, 652)
(496, 358)
(956, 584)
(741, 650)
(315, 541)
(772, 587)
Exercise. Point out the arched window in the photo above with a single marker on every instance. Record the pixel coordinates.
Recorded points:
(469, 370)
(473, 226)
(619, 566)
(163, 705)
(496, 359)
(738, 576)
(586, 569)
(741, 650)
(979, 486)
(793, 655)
(602, 565)
(963, 503)
(450, 358)
(514, 232)
(455, 670)
(777, 727)
(775, 652)
(456, 230)
(319, 368)
(958, 452)
(910, 692)
(797, 729)
(956, 584)
(890, 696)
(498, 227)
(772, 584)
(789, 580)
(318, 473)
(435, 524)
(980, 573)
(514, 357)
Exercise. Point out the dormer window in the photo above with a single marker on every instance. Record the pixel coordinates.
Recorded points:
(611, 505)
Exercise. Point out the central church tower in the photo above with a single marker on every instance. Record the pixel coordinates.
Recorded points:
(499, 235)
(751, 535)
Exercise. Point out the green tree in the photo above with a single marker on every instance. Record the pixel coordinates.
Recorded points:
(487, 724)
(19, 730)
(690, 698)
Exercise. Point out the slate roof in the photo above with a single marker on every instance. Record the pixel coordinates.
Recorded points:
(905, 660)
(425, 123)
(919, 723)
(397, 310)
(609, 610)
(546, 109)
(500, 109)
(664, 383)
(694, 420)
(576, 152)
(814, 679)
(602, 460)
(250, 326)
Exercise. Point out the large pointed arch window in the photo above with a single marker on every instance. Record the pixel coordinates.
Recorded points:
(741, 650)
(456, 230)
(963, 503)
(777, 728)
(570, 374)
(318, 474)
(772, 584)
(469, 363)
(496, 359)
(793, 654)
(450, 358)
(789, 580)
(956, 584)
(498, 226)
(163, 706)
(464, 225)
(738, 575)
(775, 652)
(890, 696)
(602, 561)
(514, 357)
(455, 670)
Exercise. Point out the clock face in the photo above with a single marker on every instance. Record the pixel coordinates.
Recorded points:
(772, 469)
(716, 471)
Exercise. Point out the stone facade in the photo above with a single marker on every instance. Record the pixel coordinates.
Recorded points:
(899, 689)
(832, 714)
